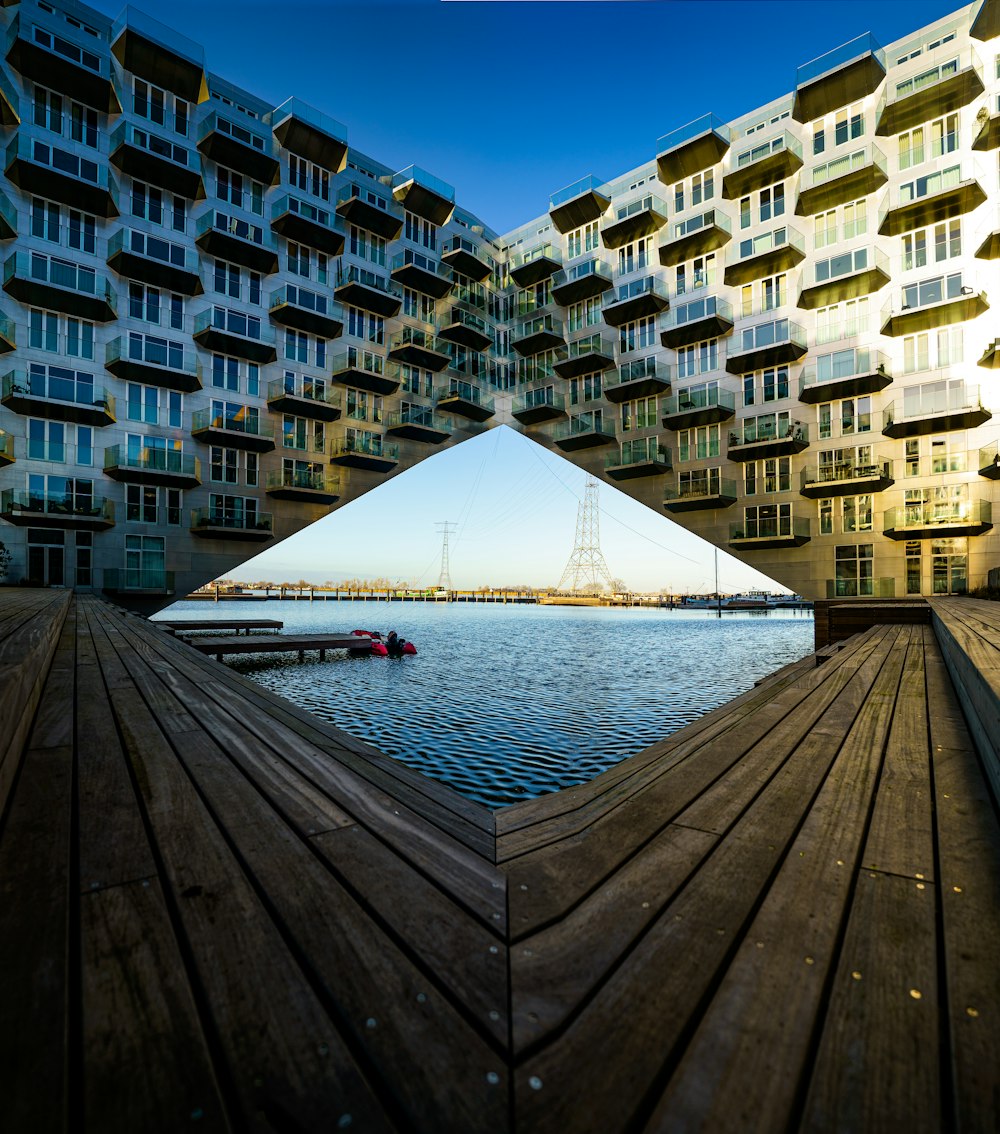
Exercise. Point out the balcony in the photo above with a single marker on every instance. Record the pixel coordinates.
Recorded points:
(358, 287)
(536, 406)
(765, 255)
(364, 370)
(698, 406)
(692, 148)
(59, 394)
(35, 166)
(944, 520)
(763, 163)
(233, 332)
(371, 454)
(535, 265)
(416, 347)
(695, 320)
(841, 179)
(989, 461)
(987, 128)
(8, 218)
(578, 204)
(767, 344)
(308, 224)
(465, 327)
(936, 196)
(49, 510)
(49, 51)
(769, 532)
(169, 467)
(844, 374)
(422, 273)
(695, 236)
(586, 356)
(991, 356)
(701, 493)
(467, 400)
(10, 103)
(935, 407)
(643, 378)
(466, 258)
(422, 193)
(154, 361)
(146, 47)
(170, 165)
(986, 24)
(988, 237)
(842, 76)
(367, 209)
(583, 431)
(770, 435)
(240, 241)
(138, 581)
(242, 430)
(861, 271)
(153, 260)
(6, 449)
(306, 310)
(582, 281)
(60, 285)
(845, 479)
(640, 214)
(642, 457)
(304, 397)
(309, 487)
(635, 300)
(936, 302)
(936, 83)
(310, 134)
(232, 142)
(419, 423)
(543, 332)
(247, 527)
(7, 335)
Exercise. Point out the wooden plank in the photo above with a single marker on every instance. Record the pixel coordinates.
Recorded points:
(877, 1064)
(147, 1061)
(278, 643)
(236, 624)
(631, 1029)
(746, 1060)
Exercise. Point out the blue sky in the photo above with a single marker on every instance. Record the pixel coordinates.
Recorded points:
(510, 101)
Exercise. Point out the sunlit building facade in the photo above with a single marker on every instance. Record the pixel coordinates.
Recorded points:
(221, 322)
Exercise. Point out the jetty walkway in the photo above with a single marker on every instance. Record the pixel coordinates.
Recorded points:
(218, 912)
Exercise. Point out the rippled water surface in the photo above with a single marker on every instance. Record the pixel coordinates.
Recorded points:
(508, 702)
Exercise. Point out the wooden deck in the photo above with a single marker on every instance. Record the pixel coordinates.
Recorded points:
(279, 644)
(182, 625)
(220, 912)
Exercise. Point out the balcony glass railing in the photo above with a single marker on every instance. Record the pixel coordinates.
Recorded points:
(698, 485)
(313, 481)
(219, 123)
(355, 359)
(929, 70)
(934, 514)
(129, 134)
(58, 384)
(296, 108)
(770, 334)
(244, 420)
(698, 398)
(152, 351)
(705, 124)
(770, 527)
(648, 285)
(588, 184)
(583, 423)
(308, 389)
(60, 273)
(767, 427)
(235, 226)
(535, 399)
(783, 237)
(468, 392)
(842, 165)
(838, 365)
(592, 344)
(930, 292)
(370, 446)
(422, 416)
(152, 247)
(846, 470)
(409, 258)
(351, 274)
(232, 521)
(931, 399)
(639, 368)
(6, 445)
(711, 218)
(539, 252)
(66, 504)
(234, 323)
(863, 45)
(638, 451)
(541, 323)
(62, 39)
(154, 579)
(308, 211)
(61, 161)
(697, 309)
(308, 300)
(866, 258)
(427, 180)
(152, 460)
(639, 201)
(765, 148)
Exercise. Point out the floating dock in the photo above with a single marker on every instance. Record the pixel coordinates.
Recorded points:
(180, 625)
(221, 912)
(281, 644)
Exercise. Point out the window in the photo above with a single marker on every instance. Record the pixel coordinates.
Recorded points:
(224, 465)
(415, 380)
(765, 385)
(636, 256)
(949, 567)
(849, 123)
(587, 313)
(586, 388)
(852, 415)
(363, 406)
(78, 230)
(697, 273)
(699, 443)
(639, 414)
(939, 242)
(302, 433)
(157, 207)
(637, 335)
(308, 177)
(421, 307)
(307, 263)
(767, 521)
(146, 504)
(772, 202)
(419, 231)
(842, 320)
(237, 283)
(165, 309)
(153, 406)
(826, 516)
(700, 482)
(160, 106)
(300, 347)
(583, 240)
(926, 143)
(856, 513)
(933, 349)
(60, 334)
(853, 570)
(774, 474)
(764, 295)
(65, 117)
(700, 358)
(367, 245)
(235, 374)
(913, 572)
(236, 189)
(364, 325)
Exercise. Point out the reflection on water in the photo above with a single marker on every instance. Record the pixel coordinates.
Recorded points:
(503, 702)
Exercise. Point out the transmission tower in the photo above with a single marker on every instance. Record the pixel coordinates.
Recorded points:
(586, 567)
(445, 528)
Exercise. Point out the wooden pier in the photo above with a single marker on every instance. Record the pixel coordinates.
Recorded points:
(182, 625)
(280, 644)
(220, 912)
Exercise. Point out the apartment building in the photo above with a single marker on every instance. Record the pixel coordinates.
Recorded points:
(221, 321)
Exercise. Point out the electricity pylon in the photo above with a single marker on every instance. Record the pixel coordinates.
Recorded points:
(445, 528)
(586, 566)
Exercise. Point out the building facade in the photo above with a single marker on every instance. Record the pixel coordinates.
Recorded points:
(221, 322)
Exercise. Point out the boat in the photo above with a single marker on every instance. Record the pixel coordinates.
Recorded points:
(390, 646)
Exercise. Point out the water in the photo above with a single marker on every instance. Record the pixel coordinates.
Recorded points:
(508, 702)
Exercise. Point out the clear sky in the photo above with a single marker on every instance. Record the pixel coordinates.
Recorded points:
(510, 101)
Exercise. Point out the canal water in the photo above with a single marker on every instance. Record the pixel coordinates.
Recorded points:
(508, 702)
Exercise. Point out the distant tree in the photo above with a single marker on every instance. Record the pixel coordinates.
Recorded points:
(5, 558)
